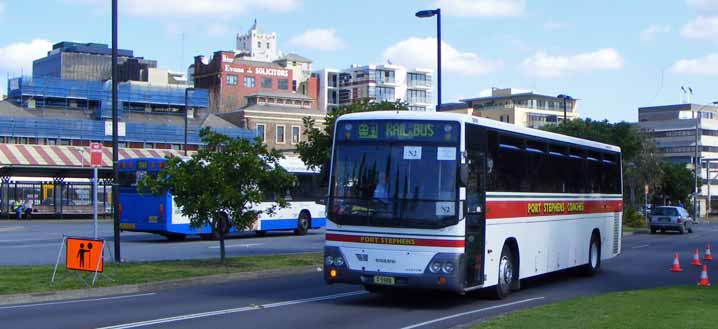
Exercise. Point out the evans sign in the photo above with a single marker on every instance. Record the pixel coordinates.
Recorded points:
(266, 71)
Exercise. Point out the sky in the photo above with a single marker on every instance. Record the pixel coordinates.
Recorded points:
(613, 55)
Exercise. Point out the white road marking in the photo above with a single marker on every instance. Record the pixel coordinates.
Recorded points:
(640, 246)
(232, 310)
(76, 301)
(237, 245)
(472, 312)
(11, 228)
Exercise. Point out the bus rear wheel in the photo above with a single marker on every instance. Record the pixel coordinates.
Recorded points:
(303, 224)
(594, 256)
(507, 273)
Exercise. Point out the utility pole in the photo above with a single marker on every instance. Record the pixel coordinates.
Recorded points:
(115, 173)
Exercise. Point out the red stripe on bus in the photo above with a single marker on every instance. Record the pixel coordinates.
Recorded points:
(538, 208)
(395, 241)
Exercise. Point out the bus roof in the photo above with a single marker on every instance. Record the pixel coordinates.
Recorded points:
(465, 118)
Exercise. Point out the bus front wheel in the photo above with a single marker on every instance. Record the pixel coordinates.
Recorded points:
(303, 224)
(507, 273)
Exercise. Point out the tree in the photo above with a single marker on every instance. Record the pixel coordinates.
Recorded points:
(640, 162)
(677, 184)
(317, 149)
(222, 184)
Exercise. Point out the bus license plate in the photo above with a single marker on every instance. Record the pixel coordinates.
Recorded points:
(385, 280)
(152, 219)
(125, 226)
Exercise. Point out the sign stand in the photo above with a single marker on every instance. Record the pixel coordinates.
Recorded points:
(70, 265)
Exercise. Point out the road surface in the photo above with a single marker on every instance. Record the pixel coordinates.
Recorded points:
(304, 301)
(38, 242)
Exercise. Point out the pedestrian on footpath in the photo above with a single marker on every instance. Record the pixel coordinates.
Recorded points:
(18, 209)
(27, 209)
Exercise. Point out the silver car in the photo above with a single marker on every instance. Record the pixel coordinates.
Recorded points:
(670, 218)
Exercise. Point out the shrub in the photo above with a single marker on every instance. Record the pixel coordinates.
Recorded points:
(633, 218)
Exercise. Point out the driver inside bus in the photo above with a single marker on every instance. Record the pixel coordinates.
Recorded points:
(381, 191)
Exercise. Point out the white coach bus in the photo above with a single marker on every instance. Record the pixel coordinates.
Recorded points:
(455, 202)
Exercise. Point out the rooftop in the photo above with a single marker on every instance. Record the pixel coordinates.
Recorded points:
(278, 94)
(294, 57)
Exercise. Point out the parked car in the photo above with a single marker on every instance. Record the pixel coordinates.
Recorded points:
(670, 218)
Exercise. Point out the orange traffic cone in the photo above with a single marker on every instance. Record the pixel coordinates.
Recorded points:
(707, 255)
(696, 261)
(676, 266)
(704, 277)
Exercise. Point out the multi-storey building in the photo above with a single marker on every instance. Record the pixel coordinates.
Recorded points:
(526, 109)
(683, 132)
(92, 62)
(258, 88)
(388, 82)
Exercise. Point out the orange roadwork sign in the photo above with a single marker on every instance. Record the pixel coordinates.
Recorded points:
(83, 254)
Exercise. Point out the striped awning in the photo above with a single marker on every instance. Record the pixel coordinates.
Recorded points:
(69, 156)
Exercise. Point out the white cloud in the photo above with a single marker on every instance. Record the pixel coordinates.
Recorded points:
(707, 65)
(703, 27)
(649, 33)
(197, 8)
(421, 53)
(484, 8)
(17, 57)
(547, 66)
(554, 25)
(2, 7)
(319, 39)
(703, 4)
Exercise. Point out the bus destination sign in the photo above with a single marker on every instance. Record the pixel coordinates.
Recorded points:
(400, 130)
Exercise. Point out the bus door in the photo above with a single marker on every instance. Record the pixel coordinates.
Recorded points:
(475, 207)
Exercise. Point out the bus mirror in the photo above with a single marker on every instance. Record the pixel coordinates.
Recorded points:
(463, 175)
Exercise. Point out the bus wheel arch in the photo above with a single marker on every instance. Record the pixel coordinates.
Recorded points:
(304, 222)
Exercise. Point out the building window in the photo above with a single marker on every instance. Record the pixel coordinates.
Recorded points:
(249, 82)
(295, 134)
(384, 94)
(261, 131)
(280, 134)
(283, 84)
(259, 44)
(267, 45)
(231, 80)
(267, 83)
(417, 96)
(294, 85)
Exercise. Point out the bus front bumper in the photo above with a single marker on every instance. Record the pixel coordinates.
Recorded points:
(427, 280)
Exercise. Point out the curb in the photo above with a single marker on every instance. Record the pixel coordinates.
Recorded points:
(147, 287)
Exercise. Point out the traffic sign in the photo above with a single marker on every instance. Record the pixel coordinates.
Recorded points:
(96, 154)
(84, 254)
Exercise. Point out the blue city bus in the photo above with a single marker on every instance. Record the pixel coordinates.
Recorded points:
(159, 214)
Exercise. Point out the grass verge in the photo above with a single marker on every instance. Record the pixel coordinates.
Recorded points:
(674, 307)
(628, 229)
(29, 279)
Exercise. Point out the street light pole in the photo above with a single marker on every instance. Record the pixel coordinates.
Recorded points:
(427, 14)
(565, 99)
(115, 173)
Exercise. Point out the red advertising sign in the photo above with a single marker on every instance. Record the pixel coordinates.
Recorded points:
(96, 154)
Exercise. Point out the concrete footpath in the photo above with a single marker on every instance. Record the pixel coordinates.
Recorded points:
(39, 297)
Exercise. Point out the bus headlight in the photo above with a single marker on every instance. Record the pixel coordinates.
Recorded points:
(339, 261)
(448, 267)
(329, 261)
(435, 267)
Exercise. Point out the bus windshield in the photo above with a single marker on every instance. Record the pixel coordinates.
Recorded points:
(399, 184)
